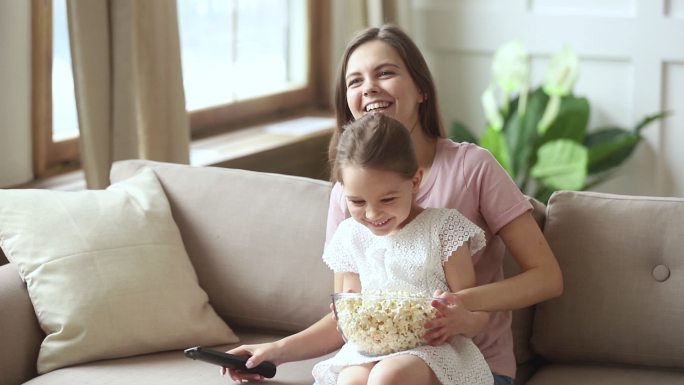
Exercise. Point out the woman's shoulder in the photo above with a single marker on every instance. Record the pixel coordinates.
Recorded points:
(463, 158)
(448, 150)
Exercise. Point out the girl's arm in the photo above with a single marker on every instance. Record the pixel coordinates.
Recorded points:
(318, 339)
(455, 318)
(540, 279)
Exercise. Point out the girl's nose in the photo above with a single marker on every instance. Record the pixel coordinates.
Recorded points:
(372, 214)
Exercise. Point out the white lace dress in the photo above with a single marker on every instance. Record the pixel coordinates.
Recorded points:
(410, 260)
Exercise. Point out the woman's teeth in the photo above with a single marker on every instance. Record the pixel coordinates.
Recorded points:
(377, 105)
(381, 223)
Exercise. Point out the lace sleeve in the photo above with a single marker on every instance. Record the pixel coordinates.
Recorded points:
(338, 253)
(456, 230)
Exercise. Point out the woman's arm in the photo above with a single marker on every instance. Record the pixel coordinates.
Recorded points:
(539, 280)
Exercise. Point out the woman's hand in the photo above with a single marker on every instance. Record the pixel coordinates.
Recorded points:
(260, 353)
(452, 319)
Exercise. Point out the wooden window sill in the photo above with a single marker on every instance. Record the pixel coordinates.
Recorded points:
(295, 147)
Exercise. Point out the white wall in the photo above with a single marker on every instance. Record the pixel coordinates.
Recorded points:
(632, 64)
(15, 92)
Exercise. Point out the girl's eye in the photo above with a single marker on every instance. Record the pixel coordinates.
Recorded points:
(388, 200)
(357, 203)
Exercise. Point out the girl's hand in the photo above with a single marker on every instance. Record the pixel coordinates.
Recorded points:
(260, 353)
(452, 319)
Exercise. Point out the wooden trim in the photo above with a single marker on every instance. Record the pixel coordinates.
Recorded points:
(320, 62)
(41, 85)
(48, 156)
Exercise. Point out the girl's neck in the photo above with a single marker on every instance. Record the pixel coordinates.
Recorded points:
(415, 211)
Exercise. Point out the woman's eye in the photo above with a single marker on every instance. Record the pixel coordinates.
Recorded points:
(353, 82)
(384, 74)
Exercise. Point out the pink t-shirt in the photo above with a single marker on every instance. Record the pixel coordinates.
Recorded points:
(468, 178)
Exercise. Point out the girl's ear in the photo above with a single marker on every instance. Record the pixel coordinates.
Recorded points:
(417, 178)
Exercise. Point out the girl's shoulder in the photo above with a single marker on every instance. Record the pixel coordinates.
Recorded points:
(442, 214)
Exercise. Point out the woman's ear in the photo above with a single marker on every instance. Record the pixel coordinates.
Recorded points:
(417, 178)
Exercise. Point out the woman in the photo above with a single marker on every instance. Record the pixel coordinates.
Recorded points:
(382, 71)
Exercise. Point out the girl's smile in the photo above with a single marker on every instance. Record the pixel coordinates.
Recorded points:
(380, 200)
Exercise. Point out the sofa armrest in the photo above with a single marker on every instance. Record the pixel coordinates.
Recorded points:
(20, 332)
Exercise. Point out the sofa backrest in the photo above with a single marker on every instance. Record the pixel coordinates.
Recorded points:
(623, 269)
(255, 240)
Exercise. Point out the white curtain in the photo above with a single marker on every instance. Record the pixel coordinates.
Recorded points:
(129, 88)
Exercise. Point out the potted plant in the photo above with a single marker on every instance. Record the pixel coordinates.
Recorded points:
(540, 135)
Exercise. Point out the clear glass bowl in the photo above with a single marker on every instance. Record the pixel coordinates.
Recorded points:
(382, 324)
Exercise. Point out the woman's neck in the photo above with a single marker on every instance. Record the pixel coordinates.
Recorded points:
(426, 148)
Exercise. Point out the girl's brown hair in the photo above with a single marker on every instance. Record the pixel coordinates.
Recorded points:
(376, 141)
(417, 67)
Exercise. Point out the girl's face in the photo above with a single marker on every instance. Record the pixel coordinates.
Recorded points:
(377, 80)
(380, 200)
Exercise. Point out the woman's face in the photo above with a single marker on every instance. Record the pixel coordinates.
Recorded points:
(377, 80)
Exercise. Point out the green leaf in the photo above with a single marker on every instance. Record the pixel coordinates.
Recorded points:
(609, 148)
(650, 119)
(521, 132)
(460, 133)
(561, 165)
(571, 122)
(493, 140)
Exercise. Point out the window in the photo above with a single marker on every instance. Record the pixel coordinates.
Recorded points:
(55, 124)
(243, 61)
(246, 59)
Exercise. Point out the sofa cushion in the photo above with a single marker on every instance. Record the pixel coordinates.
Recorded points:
(623, 270)
(106, 271)
(255, 239)
(604, 375)
(173, 368)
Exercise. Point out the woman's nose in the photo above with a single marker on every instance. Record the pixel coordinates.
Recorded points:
(370, 88)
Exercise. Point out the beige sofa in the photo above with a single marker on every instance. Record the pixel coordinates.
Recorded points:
(255, 242)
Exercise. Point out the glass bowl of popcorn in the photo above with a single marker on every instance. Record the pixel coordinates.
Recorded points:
(379, 324)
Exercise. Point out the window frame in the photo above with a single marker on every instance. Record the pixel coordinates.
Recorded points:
(49, 157)
(314, 97)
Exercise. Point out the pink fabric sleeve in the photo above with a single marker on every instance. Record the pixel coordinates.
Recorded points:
(500, 199)
(337, 211)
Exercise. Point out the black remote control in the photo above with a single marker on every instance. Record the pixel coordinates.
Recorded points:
(230, 361)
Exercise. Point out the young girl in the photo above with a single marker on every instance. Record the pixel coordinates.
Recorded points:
(390, 244)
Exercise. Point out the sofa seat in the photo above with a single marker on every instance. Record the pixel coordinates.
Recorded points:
(605, 375)
(171, 368)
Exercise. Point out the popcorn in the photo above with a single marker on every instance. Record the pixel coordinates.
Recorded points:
(381, 324)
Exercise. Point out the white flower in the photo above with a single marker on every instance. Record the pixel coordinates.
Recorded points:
(562, 73)
(510, 67)
(491, 109)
